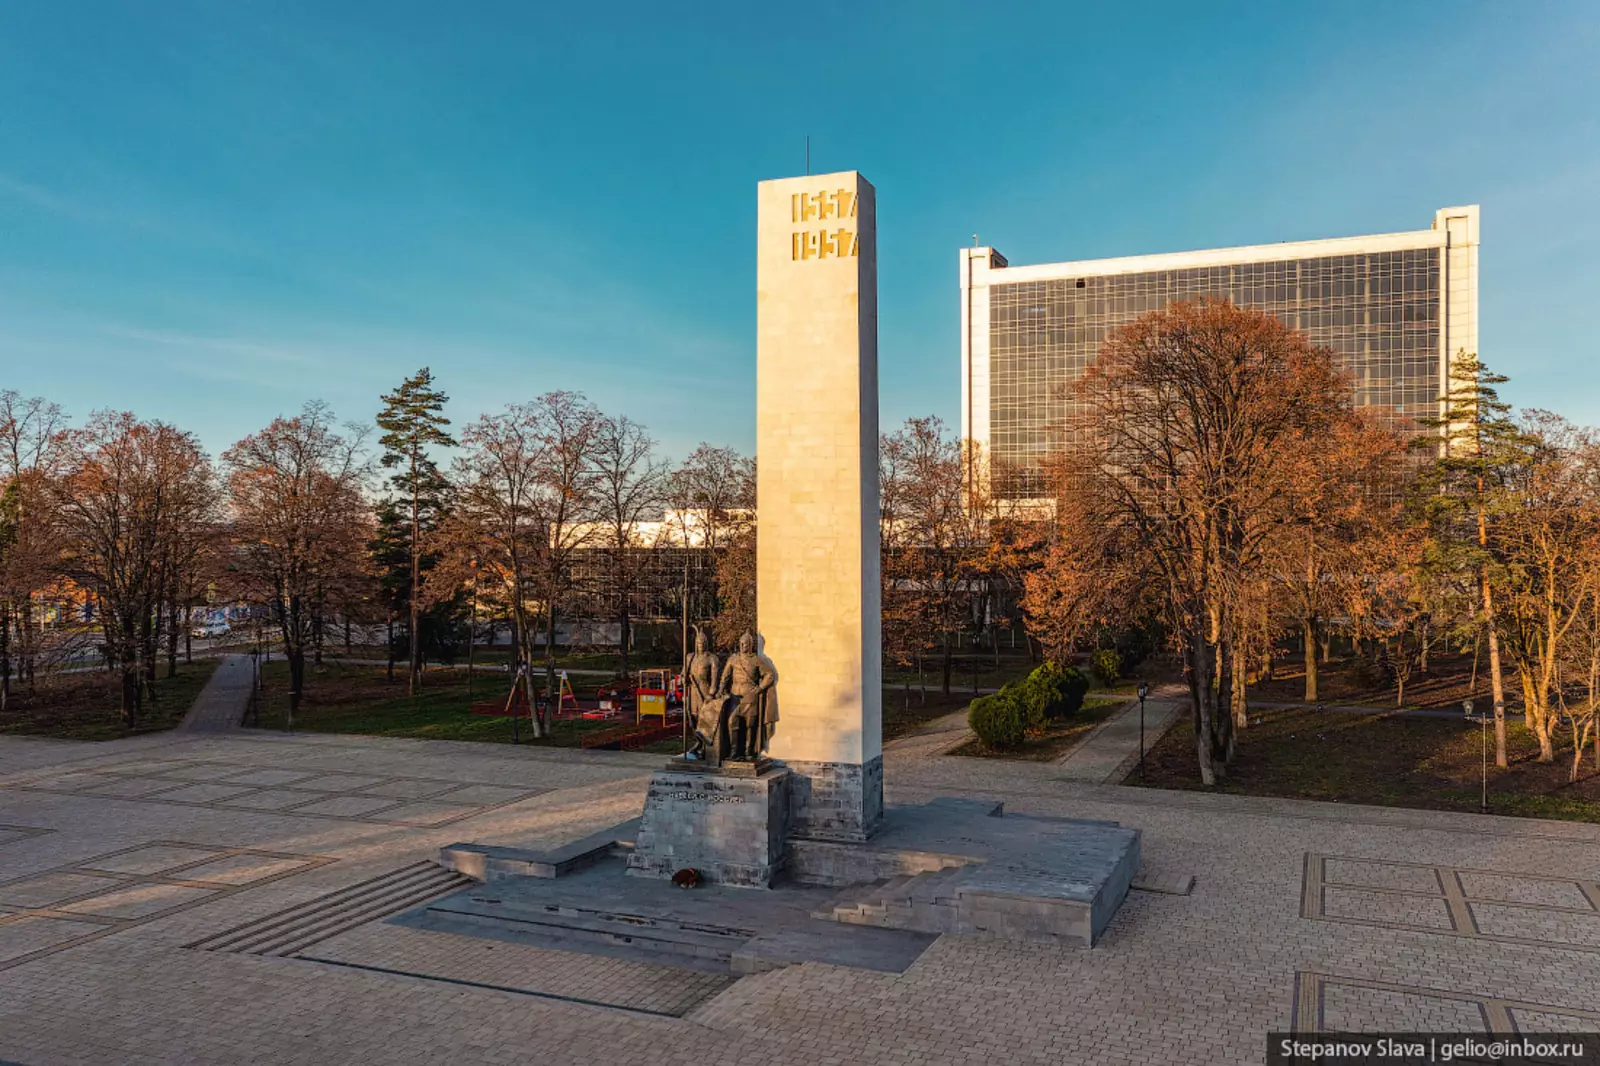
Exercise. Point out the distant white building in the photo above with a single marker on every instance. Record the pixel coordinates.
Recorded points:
(1395, 309)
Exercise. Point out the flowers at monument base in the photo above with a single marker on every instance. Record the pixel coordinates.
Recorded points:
(688, 877)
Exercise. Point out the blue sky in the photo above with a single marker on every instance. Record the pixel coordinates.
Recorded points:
(213, 212)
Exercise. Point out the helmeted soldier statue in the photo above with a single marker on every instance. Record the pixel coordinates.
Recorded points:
(704, 706)
(749, 677)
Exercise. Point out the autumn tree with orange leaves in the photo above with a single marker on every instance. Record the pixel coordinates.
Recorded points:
(131, 499)
(300, 524)
(1173, 477)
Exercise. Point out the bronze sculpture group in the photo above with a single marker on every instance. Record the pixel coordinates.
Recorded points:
(732, 711)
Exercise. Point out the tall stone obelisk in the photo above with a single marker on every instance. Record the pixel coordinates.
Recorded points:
(818, 593)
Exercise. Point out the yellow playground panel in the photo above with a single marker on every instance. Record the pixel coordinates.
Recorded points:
(650, 698)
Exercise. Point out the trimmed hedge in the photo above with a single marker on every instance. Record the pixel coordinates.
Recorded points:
(1059, 690)
(999, 720)
(1024, 708)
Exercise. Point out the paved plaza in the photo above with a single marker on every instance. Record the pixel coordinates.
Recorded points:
(219, 897)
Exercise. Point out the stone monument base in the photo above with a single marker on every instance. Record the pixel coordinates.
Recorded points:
(730, 828)
(727, 768)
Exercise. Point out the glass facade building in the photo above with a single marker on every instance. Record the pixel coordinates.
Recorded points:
(1392, 308)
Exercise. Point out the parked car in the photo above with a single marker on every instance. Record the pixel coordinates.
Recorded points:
(211, 630)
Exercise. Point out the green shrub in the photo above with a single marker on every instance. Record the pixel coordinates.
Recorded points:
(1107, 666)
(1057, 691)
(999, 720)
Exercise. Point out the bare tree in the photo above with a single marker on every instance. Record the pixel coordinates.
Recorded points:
(1548, 535)
(939, 537)
(629, 488)
(131, 491)
(713, 497)
(1335, 498)
(300, 522)
(494, 530)
(564, 498)
(32, 438)
(526, 503)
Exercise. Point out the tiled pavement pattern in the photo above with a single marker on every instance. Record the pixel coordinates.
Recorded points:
(362, 797)
(1342, 1004)
(1516, 908)
(1177, 979)
(591, 979)
(69, 905)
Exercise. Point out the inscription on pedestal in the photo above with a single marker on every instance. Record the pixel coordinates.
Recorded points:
(731, 829)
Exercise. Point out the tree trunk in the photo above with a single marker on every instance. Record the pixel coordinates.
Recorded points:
(551, 692)
(624, 628)
(147, 640)
(390, 645)
(948, 663)
(414, 675)
(1536, 715)
(522, 638)
(1327, 646)
(188, 634)
(297, 680)
(1200, 672)
(1422, 655)
(1309, 635)
(172, 638)
(130, 694)
(1497, 685)
(1238, 697)
(5, 657)
(472, 633)
(25, 641)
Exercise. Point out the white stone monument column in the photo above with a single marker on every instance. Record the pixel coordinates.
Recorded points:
(818, 593)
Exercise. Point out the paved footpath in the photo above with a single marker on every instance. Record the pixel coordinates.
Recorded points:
(221, 704)
(123, 863)
(1112, 749)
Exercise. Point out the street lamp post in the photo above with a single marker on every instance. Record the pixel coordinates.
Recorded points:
(1144, 690)
(1483, 733)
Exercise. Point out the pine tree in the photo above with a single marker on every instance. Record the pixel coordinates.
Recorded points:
(1476, 444)
(412, 421)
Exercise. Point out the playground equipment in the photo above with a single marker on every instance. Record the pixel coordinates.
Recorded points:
(650, 697)
(566, 699)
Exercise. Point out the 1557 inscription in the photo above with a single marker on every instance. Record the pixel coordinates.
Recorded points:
(827, 242)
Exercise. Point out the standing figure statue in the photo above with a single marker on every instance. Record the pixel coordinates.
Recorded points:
(703, 705)
(750, 678)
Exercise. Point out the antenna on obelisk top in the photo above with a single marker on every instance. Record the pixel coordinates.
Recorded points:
(808, 155)
(974, 240)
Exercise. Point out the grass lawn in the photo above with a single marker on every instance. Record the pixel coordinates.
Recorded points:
(989, 672)
(1350, 680)
(901, 717)
(87, 705)
(345, 697)
(1058, 740)
(355, 697)
(1431, 763)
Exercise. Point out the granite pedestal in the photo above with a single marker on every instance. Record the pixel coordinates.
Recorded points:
(729, 826)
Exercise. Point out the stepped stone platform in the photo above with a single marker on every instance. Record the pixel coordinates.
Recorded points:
(949, 866)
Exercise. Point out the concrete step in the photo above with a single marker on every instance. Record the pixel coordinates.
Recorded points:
(849, 896)
(893, 903)
(658, 935)
(492, 862)
(299, 927)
